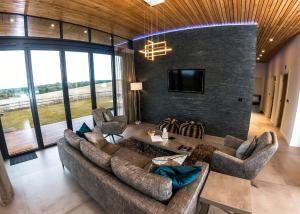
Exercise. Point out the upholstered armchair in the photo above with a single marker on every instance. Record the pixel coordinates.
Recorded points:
(115, 126)
(266, 147)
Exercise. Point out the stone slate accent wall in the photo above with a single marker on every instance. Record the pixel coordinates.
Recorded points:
(228, 54)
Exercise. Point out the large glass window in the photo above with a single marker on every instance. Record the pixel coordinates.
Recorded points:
(14, 103)
(11, 25)
(103, 80)
(75, 32)
(48, 89)
(39, 27)
(101, 37)
(120, 42)
(77, 64)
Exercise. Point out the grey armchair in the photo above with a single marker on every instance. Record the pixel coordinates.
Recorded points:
(266, 147)
(115, 127)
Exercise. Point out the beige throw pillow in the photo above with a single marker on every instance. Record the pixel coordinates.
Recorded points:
(107, 117)
(95, 137)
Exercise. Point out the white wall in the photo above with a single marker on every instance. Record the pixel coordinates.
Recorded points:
(286, 61)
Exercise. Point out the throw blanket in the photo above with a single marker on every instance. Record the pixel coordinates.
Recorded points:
(180, 175)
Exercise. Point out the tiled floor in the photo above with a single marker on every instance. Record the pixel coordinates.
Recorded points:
(41, 186)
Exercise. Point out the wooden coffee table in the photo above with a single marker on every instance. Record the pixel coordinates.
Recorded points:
(226, 192)
(139, 133)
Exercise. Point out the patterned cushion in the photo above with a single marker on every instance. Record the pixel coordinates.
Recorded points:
(95, 155)
(192, 129)
(172, 125)
(96, 137)
(242, 149)
(158, 187)
(73, 139)
(202, 152)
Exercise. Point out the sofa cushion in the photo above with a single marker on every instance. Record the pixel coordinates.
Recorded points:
(250, 149)
(158, 187)
(110, 148)
(108, 117)
(83, 129)
(96, 138)
(262, 141)
(73, 139)
(96, 155)
(133, 157)
(239, 153)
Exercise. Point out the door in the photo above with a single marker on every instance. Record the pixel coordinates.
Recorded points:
(282, 98)
(272, 96)
(15, 106)
(78, 76)
(47, 80)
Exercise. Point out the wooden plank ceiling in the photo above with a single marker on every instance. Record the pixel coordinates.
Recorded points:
(277, 19)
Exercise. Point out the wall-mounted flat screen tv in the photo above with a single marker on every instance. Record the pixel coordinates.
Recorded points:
(186, 80)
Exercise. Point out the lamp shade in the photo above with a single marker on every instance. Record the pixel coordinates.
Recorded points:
(136, 86)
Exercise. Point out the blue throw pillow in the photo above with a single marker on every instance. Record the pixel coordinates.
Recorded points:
(180, 175)
(83, 129)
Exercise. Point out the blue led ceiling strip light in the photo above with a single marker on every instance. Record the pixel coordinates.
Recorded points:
(193, 27)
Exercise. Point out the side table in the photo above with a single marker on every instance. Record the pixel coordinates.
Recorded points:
(227, 193)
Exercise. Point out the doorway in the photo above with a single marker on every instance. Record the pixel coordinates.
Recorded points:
(282, 98)
(272, 96)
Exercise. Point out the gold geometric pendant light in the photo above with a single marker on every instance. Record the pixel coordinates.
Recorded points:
(154, 48)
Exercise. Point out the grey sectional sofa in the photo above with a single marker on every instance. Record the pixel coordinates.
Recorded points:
(115, 196)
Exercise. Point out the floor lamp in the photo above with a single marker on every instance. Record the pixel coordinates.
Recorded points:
(137, 87)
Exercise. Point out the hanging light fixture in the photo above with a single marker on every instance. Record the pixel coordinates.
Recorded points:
(154, 46)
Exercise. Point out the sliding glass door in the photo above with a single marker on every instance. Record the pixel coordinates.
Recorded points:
(103, 80)
(78, 75)
(47, 79)
(15, 105)
(33, 91)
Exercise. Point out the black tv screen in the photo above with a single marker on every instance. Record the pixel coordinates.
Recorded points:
(186, 80)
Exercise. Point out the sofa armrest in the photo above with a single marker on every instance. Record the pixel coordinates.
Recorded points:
(186, 200)
(122, 118)
(232, 142)
(227, 164)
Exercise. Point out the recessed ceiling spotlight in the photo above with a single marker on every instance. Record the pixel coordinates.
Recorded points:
(258, 58)
(263, 51)
(154, 2)
(12, 20)
(260, 55)
(52, 25)
(85, 31)
(271, 39)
